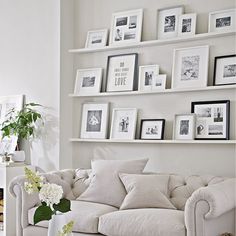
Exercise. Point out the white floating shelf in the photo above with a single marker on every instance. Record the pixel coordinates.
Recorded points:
(154, 42)
(139, 141)
(166, 91)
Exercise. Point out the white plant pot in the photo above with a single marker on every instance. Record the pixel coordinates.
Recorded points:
(18, 156)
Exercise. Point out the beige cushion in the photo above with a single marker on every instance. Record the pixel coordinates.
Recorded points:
(106, 187)
(145, 191)
(143, 222)
(84, 214)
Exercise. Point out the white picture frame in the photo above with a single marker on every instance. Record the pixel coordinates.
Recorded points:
(123, 125)
(88, 81)
(96, 38)
(168, 21)
(159, 82)
(224, 20)
(147, 76)
(122, 73)
(94, 121)
(184, 127)
(126, 27)
(187, 25)
(190, 67)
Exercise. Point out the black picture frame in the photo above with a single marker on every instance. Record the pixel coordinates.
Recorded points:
(147, 120)
(215, 68)
(135, 78)
(227, 118)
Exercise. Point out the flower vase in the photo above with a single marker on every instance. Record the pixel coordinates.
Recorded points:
(56, 224)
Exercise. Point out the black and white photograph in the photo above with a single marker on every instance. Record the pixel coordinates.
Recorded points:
(149, 78)
(187, 24)
(94, 120)
(184, 127)
(152, 129)
(126, 27)
(96, 38)
(123, 125)
(225, 70)
(222, 22)
(169, 23)
(88, 81)
(215, 125)
(190, 67)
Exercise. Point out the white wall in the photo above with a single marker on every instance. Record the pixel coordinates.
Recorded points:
(30, 65)
(185, 159)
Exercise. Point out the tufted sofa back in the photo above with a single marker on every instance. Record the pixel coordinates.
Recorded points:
(75, 182)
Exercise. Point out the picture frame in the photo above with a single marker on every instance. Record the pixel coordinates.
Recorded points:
(122, 73)
(159, 82)
(88, 81)
(152, 129)
(212, 119)
(147, 76)
(190, 67)
(187, 25)
(94, 121)
(223, 20)
(225, 70)
(167, 21)
(123, 125)
(126, 27)
(184, 127)
(96, 38)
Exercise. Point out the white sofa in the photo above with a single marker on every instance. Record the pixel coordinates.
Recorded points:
(205, 207)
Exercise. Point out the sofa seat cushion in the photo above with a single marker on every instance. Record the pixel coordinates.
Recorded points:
(143, 222)
(84, 214)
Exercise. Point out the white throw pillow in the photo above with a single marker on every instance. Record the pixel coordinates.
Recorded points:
(106, 186)
(146, 191)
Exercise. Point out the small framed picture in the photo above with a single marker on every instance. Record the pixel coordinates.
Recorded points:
(159, 82)
(212, 119)
(152, 129)
(222, 20)
(94, 121)
(168, 20)
(187, 24)
(126, 27)
(184, 126)
(123, 124)
(147, 76)
(225, 70)
(122, 73)
(190, 67)
(88, 81)
(96, 38)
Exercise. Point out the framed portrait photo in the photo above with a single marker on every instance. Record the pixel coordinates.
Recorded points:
(88, 81)
(212, 119)
(222, 20)
(123, 124)
(96, 38)
(187, 24)
(152, 129)
(94, 121)
(122, 73)
(168, 21)
(184, 126)
(147, 75)
(126, 27)
(225, 70)
(190, 67)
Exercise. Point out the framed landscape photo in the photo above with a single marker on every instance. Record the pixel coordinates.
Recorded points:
(225, 70)
(126, 27)
(190, 67)
(168, 21)
(122, 73)
(152, 129)
(88, 81)
(184, 126)
(96, 38)
(147, 76)
(222, 20)
(159, 82)
(187, 24)
(212, 119)
(123, 124)
(94, 121)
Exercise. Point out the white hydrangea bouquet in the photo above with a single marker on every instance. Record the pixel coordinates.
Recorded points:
(51, 197)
